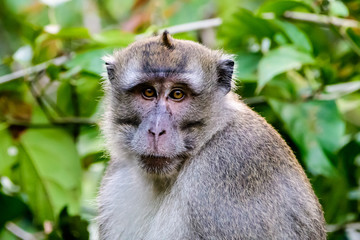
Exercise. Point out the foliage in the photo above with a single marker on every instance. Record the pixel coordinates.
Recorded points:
(303, 77)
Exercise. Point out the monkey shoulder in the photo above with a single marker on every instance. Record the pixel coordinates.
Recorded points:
(247, 184)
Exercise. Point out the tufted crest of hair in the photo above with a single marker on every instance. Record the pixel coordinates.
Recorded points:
(166, 38)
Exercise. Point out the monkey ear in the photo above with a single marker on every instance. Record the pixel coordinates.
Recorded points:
(110, 67)
(225, 71)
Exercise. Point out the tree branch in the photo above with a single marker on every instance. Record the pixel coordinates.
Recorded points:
(34, 69)
(322, 19)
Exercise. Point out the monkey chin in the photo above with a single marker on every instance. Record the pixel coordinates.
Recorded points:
(161, 166)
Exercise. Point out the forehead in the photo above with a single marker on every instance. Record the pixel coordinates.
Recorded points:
(152, 60)
(136, 74)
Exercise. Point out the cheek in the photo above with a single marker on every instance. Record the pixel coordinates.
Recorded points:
(178, 109)
(142, 105)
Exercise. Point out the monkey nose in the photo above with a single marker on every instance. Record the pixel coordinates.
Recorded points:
(156, 132)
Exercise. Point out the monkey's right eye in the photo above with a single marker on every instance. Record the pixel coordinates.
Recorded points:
(148, 93)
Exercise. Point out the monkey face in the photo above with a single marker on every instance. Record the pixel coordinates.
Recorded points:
(159, 124)
(162, 94)
(158, 140)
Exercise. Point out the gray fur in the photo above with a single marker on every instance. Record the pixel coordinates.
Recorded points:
(231, 175)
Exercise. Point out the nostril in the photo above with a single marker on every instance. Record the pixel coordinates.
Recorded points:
(162, 132)
(151, 132)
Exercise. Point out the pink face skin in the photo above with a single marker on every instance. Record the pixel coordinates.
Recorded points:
(163, 103)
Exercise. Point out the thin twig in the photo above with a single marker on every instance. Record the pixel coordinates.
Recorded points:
(335, 227)
(335, 91)
(331, 92)
(75, 120)
(54, 123)
(322, 19)
(19, 232)
(187, 27)
(40, 101)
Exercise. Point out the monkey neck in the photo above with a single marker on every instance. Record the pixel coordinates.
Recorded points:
(162, 184)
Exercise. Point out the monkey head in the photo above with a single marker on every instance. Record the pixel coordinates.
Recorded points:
(163, 97)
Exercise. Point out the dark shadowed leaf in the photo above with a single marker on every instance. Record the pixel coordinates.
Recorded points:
(354, 37)
(11, 208)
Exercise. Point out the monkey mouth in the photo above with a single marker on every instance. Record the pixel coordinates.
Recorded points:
(155, 161)
(160, 165)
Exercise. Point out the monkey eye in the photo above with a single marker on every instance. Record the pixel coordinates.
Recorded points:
(148, 93)
(177, 94)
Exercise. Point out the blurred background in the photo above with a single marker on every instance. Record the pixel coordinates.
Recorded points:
(297, 65)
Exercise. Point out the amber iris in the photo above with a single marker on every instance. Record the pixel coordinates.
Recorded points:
(177, 94)
(149, 93)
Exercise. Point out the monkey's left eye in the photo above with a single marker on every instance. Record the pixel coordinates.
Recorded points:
(177, 94)
(149, 93)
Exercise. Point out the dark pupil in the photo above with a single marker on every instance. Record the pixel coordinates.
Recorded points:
(177, 94)
(149, 92)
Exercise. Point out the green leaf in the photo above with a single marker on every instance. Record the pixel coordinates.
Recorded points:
(90, 61)
(89, 93)
(50, 171)
(354, 39)
(338, 8)
(349, 106)
(280, 88)
(280, 60)
(8, 151)
(246, 65)
(243, 26)
(64, 98)
(252, 24)
(53, 71)
(317, 129)
(71, 33)
(114, 38)
(297, 37)
(90, 142)
(280, 6)
(189, 11)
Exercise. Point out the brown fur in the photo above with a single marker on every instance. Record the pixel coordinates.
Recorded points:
(221, 171)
